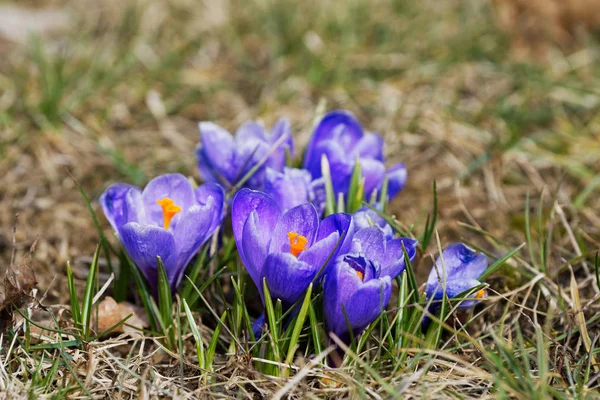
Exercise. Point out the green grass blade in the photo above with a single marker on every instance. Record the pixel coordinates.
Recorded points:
(196, 333)
(88, 295)
(298, 326)
(75, 310)
(330, 195)
(499, 262)
(165, 301)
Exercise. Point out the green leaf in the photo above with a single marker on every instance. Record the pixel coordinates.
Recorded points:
(88, 295)
(272, 318)
(499, 262)
(165, 301)
(353, 202)
(196, 334)
(298, 326)
(212, 347)
(75, 310)
(330, 195)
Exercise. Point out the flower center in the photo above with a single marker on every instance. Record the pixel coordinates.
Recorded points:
(480, 294)
(169, 209)
(297, 243)
(360, 275)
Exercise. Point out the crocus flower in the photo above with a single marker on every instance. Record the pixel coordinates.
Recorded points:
(225, 159)
(293, 187)
(354, 294)
(387, 254)
(168, 219)
(457, 270)
(365, 217)
(286, 249)
(340, 137)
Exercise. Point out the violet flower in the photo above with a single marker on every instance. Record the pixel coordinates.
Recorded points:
(354, 294)
(340, 137)
(168, 219)
(387, 254)
(457, 270)
(293, 187)
(286, 249)
(365, 217)
(226, 159)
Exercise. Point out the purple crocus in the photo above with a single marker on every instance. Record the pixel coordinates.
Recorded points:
(355, 293)
(225, 159)
(387, 254)
(457, 270)
(293, 187)
(168, 219)
(340, 137)
(286, 249)
(365, 217)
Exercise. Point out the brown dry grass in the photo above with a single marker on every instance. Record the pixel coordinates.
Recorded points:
(138, 76)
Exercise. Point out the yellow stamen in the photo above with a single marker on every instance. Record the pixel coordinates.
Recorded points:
(360, 275)
(169, 209)
(297, 243)
(480, 294)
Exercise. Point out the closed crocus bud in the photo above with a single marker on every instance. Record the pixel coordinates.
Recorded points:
(340, 137)
(293, 187)
(354, 295)
(226, 159)
(168, 219)
(455, 271)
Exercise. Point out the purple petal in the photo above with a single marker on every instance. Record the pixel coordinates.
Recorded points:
(216, 154)
(174, 186)
(144, 243)
(397, 176)
(212, 190)
(337, 126)
(283, 128)
(370, 241)
(253, 249)
(115, 204)
(194, 229)
(320, 252)
(287, 277)
(392, 264)
(365, 217)
(341, 223)
(367, 303)
(244, 203)
(460, 262)
(370, 146)
(250, 131)
(373, 172)
(302, 219)
(288, 189)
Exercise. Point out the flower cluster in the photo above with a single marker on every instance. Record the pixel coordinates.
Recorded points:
(282, 235)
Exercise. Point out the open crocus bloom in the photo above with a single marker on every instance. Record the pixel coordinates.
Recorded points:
(457, 270)
(293, 187)
(286, 249)
(225, 159)
(386, 253)
(168, 219)
(340, 137)
(354, 293)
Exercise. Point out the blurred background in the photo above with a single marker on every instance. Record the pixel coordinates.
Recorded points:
(493, 99)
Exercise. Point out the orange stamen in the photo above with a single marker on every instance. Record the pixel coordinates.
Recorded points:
(297, 243)
(360, 275)
(169, 209)
(480, 294)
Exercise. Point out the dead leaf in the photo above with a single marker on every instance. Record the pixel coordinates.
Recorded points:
(110, 313)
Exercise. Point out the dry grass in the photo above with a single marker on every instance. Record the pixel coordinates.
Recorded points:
(115, 94)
